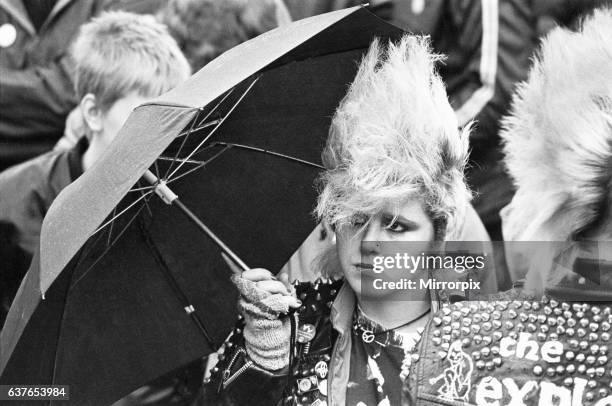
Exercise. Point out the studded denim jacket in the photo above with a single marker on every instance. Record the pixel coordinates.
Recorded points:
(513, 350)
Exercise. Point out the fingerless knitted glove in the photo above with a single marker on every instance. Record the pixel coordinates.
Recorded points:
(267, 331)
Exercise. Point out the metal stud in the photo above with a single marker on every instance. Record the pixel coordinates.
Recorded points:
(538, 370)
(570, 368)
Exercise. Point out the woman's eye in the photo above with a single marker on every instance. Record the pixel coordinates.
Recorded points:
(396, 227)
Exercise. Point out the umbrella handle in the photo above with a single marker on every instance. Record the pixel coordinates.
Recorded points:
(171, 198)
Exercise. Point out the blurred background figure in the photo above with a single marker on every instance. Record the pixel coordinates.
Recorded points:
(558, 145)
(204, 29)
(121, 59)
(36, 89)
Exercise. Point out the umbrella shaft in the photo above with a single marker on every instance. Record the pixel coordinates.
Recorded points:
(169, 197)
(235, 258)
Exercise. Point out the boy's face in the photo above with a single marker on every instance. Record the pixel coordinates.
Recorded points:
(118, 113)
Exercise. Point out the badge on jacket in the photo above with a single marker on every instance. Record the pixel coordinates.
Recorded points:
(8, 35)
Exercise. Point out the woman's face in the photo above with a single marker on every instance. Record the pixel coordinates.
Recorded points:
(358, 245)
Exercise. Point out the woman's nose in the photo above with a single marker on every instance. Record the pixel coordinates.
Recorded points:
(371, 240)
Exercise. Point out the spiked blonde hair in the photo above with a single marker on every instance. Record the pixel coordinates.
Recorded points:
(395, 137)
(558, 138)
(558, 144)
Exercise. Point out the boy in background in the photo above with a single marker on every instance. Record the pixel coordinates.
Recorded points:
(121, 60)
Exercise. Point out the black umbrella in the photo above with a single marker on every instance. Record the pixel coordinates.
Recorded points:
(134, 286)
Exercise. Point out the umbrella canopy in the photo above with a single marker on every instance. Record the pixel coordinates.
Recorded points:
(132, 288)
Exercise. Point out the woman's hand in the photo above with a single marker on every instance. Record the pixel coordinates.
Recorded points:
(267, 282)
(264, 301)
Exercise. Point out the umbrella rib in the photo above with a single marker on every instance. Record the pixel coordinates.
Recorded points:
(122, 211)
(208, 114)
(217, 126)
(199, 127)
(72, 286)
(202, 164)
(178, 152)
(110, 229)
(265, 151)
(181, 296)
(146, 202)
(140, 189)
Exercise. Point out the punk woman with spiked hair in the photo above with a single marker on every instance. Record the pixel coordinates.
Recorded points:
(394, 164)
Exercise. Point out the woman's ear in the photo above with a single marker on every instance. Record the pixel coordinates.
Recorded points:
(330, 231)
(92, 113)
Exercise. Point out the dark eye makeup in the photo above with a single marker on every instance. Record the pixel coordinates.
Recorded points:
(398, 224)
